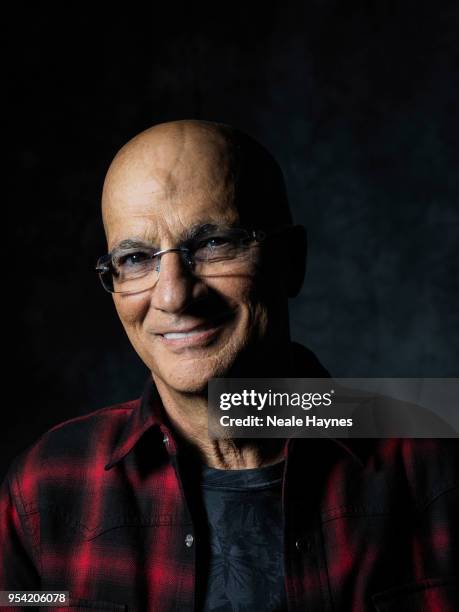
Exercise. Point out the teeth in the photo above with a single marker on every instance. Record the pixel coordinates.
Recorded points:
(177, 336)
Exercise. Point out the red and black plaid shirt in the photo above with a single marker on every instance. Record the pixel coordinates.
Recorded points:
(97, 508)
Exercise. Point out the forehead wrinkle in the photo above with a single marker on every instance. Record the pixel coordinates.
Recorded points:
(146, 235)
(146, 238)
(164, 221)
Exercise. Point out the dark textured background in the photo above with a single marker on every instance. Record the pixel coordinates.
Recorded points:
(358, 101)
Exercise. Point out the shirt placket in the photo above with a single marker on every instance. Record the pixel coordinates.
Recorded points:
(305, 565)
(184, 599)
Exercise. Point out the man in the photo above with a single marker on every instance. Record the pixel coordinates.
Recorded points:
(135, 507)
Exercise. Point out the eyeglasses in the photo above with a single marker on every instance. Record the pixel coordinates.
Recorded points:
(136, 268)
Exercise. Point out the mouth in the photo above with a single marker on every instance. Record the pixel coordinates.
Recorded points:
(196, 336)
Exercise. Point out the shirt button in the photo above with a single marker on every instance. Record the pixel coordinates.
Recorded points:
(303, 545)
(189, 540)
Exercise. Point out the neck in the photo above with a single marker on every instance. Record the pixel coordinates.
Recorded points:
(187, 416)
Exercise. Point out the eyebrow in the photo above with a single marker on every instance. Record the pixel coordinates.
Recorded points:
(199, 229)
(194, 231)
(130, 243)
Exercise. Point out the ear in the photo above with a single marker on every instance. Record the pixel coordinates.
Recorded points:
(294, 261)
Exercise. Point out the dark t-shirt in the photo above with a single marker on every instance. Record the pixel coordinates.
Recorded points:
(245, 543)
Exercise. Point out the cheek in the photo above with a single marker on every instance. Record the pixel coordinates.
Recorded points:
(131, 309)
(246, 295)
(268, 307)
(236, 289)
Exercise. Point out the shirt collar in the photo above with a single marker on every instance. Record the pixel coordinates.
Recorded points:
(148, 412)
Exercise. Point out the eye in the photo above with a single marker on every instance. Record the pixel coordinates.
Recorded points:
(214, 242)
(133, 259)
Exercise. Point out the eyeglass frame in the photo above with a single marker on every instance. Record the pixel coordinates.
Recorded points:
(258, 235)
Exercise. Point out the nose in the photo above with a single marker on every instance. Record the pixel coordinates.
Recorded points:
(176, 286)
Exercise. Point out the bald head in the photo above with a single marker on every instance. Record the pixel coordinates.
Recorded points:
(182, 158)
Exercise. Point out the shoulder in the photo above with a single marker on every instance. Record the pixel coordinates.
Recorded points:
(68, 450)
(426, 467)
(93, 432)
(99, 428)
(377, 476)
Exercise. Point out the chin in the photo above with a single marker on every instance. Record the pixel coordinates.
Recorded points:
(193, 377)
(189, 386)
(186, 382)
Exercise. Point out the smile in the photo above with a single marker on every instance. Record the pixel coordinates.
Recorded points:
(178, 336)
(195, 337)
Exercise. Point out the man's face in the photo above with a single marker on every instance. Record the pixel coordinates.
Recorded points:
(223, 314)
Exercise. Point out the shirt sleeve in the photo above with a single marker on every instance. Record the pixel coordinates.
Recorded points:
(18, 540)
